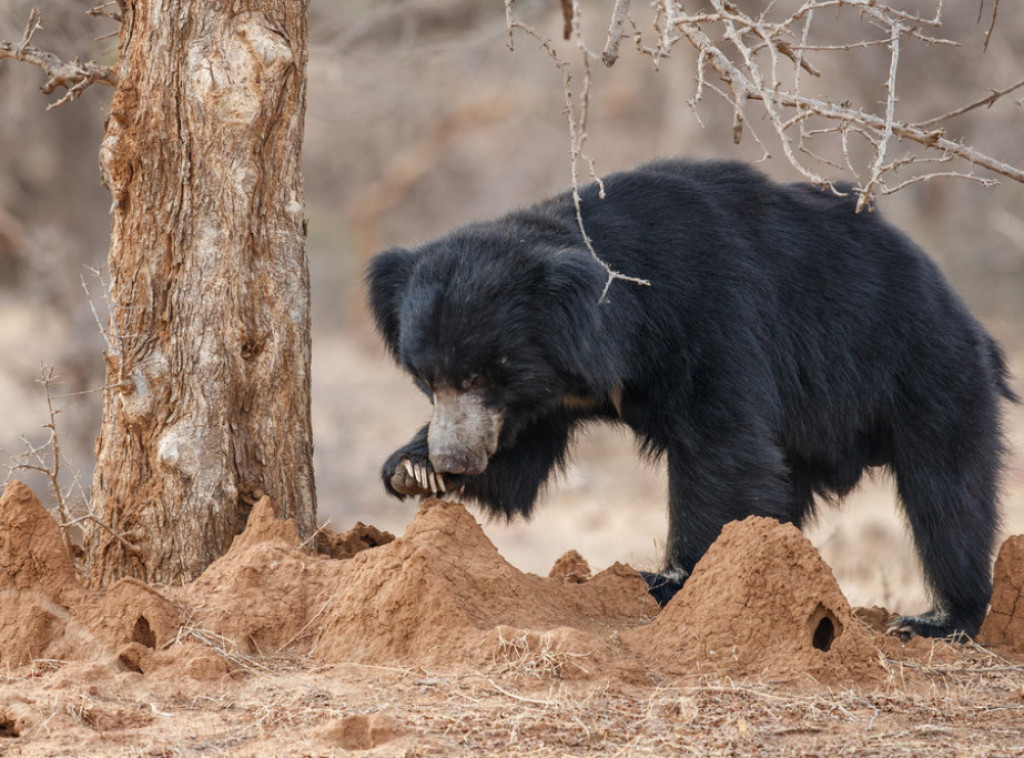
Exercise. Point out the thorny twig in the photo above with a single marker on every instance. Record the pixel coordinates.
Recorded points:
(577, 129)
(92, 307)
(104, 10)
(615, 33)
(988, 101)
(760, 58)
(991, 26)
(890, 116)
(129, 546)
(74, 76)
(35, 459)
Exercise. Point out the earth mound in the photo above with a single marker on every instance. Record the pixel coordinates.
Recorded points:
(432, 597)
(37, 581)
(1004, 624)
(45, 611)
(436, 596)
(571, 567)
(761, 604)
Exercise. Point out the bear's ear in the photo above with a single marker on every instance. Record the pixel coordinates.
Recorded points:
(576, 331)
(573, 274)
(386, 279)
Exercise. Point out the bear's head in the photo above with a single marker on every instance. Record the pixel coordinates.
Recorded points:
(497, 330)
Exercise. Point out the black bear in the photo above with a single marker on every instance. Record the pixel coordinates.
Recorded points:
(785, 343)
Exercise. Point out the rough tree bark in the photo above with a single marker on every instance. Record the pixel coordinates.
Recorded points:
(206, 406)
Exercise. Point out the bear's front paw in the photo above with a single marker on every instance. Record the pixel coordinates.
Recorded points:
(663, 587)
(413, 475)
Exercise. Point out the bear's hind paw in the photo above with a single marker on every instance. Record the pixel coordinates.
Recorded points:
(934, 624)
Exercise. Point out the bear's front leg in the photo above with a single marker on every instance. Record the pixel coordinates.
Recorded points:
(408, 472)
(710, 484)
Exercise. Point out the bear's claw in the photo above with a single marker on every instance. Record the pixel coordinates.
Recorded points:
(935, 624)
(412, 478)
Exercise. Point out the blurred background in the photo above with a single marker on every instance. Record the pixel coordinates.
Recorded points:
(420, 119)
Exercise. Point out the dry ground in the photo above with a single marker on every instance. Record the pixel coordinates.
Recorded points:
(516, 685)
(432, 644)
(971, 707)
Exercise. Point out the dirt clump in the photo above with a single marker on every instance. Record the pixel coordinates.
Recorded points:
(1004, 625)
(346, 544)
(571, 568)
(361, 732)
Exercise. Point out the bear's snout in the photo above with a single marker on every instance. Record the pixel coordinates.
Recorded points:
(458, 462)
(463, 432)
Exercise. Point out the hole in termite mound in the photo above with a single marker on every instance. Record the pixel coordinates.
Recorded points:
(8, 728)
(143, 633)
(824, 628)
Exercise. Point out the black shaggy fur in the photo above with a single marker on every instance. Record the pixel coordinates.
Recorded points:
(785, 344)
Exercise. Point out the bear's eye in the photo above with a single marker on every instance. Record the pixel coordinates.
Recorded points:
(472, 382)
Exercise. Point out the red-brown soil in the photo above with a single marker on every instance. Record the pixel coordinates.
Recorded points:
(432, 643)
(1004, 625)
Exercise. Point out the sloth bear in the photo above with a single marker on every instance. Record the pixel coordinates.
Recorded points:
(785, 344)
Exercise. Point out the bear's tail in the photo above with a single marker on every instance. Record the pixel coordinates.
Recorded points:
(1002, 373)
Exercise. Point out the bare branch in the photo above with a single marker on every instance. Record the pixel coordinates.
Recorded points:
(616, 31)
(890, 189)
(795, 55)
(763, 57)
(577, 126)
(986, 101)
(46, 459)
(95, 315)
(129, 546)
(567, 18)
(50, 469)
(995, 14)
(74, 76)
(890, 116)
(105, 10)
(746, 82)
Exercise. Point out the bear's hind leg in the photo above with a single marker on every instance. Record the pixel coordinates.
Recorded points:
(948, 491)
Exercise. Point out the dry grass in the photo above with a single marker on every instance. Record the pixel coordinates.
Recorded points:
(536, 654)
(964, 701)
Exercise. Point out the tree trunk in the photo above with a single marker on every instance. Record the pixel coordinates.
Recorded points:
(206, 406)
